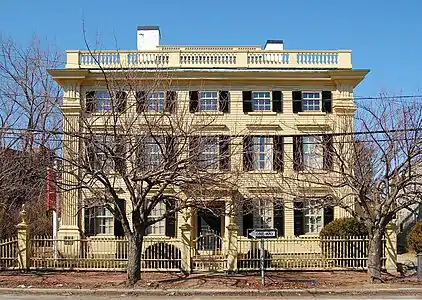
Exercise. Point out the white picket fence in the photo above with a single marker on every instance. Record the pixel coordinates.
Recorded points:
(165, 254)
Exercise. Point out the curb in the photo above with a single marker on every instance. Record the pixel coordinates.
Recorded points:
(176, 292)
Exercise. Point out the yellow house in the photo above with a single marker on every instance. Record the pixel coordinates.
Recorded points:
(262, 97)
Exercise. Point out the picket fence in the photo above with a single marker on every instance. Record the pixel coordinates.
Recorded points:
(165, 254)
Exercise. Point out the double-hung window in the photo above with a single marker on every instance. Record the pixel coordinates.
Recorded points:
(208, 101)
(311, 101)
(312, 214)
(209, 155)
(98, 156)
(158, 228)
(262, 152)
(99, 220)
(153, 152)
(103, 101)
(261, 101)
(313, 157)
(155, 102)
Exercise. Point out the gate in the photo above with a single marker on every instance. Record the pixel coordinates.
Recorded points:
(207, 253)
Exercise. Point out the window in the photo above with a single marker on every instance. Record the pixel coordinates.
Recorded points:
(157, 228)
(312, 215)
(264, 216)
(103, 101)
(209, 155)
(313, 157)
(153, 152)
(155, 102)
(262, 213)
(263, 153)
(98, 220)
(98, 156)
(208, 101)
(261, 101)
(311, 101)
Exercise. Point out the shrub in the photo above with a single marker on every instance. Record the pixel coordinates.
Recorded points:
(344, 227)
(414, 239)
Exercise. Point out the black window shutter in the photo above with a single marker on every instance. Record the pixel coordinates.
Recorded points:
(121, 101)
(247, 153)
(193, 101)
(297, 153)
(170, 220)
(328, 214)
(90, 153)
(141, 103)
(277, 101)
(247, 219)
(90, 101)
(224, 101)
(194, 150)
(297, 101)
(171, 153)
(247, 101)
(279, 217)
(278, 153)
(118, 227)
(327, 103)
(224, 149)
(89, 219)
(170, 105)
(140, 153)
(119, 160)
(328, 152)
(299, 224)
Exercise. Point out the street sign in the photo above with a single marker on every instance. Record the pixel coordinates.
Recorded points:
(261, 233)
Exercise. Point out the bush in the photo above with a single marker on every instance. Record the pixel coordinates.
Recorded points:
(414, 239)
(344, 252)
(344, 227)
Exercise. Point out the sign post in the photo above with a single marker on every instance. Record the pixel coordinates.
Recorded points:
(262, 234)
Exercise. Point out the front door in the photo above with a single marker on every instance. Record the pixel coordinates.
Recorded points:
(209, 231)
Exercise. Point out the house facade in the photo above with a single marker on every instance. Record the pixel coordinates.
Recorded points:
(279, 107)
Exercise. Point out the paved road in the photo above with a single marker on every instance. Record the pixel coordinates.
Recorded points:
(50, 297)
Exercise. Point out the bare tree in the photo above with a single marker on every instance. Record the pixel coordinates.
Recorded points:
(29, 101)
(137, 137)
(372, 172)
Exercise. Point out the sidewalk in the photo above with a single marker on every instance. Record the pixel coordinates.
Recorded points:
(279, 283)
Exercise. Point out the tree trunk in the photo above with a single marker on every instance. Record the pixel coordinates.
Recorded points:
(375, 255)
(134, 258)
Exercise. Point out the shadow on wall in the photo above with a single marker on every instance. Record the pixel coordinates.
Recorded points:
(405, 222)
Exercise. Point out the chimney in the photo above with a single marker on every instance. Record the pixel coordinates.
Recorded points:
(274, 45)
(148, 37)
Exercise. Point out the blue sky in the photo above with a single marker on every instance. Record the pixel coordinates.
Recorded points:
(385, 35)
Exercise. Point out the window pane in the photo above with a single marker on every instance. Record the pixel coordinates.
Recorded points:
(313, 152)
(209, 156)
(261, 101)
(208, 101)
(311, 101)
(156, 102)
(263, 153)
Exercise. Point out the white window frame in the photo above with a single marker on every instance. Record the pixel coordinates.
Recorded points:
(263, 153)
(153, 152)
(158, 228)
(264, 217)
(102, 162)
(103, 101)
(261, 101)
(311, 101)
(208, 101)
(155, 101)
(210, 152)
(313, 216)
(313, 152)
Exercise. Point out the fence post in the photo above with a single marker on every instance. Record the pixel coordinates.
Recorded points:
(23, 241)
(232, 248)
(186, 247)
(391, 248)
